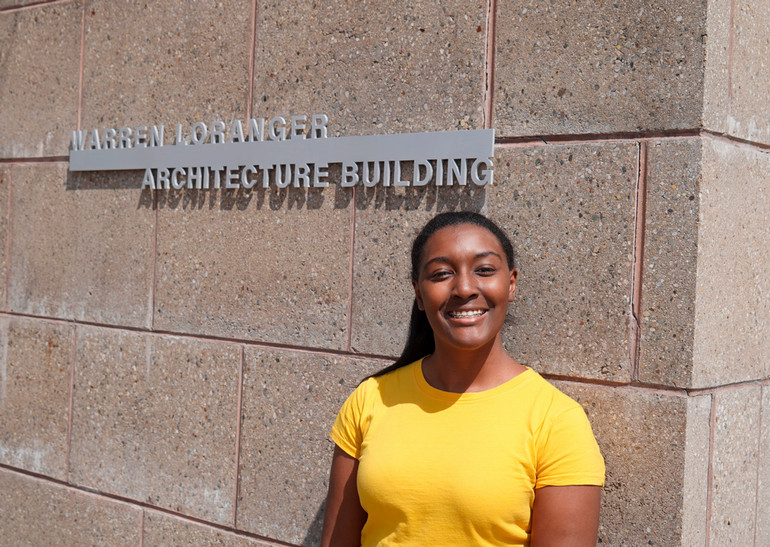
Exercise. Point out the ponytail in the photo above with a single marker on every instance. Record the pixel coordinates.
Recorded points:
(419, 341)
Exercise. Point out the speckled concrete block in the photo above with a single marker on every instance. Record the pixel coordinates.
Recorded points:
(161, 530)
(645, 439)
(165, 62)
(706, 243)
(695, 493)
(570, 212)
(289, 404)
(715, 78)
(37, 512)
(588, 67)
(154, 419)
(749, 109)
(763, 484)
(81, 246)
(39, 74)
(732, 313)
(35, 372)
(670, 261)
(734, 464)
(270, 265)
(375, 67)
(387, 220)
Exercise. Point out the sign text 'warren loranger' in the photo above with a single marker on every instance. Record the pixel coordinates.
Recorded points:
(294, 151)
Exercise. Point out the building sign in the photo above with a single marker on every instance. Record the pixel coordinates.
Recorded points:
(283, 152)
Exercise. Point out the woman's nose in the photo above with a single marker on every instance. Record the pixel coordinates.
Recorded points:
(465, 285)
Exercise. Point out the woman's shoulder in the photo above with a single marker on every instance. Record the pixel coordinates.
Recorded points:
(378, 385)
(550, 395)
(389, 375)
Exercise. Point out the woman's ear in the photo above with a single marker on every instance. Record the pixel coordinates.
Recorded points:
(512, 284)
(418, 296)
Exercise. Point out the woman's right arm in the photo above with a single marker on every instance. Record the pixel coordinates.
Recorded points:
(344, 517)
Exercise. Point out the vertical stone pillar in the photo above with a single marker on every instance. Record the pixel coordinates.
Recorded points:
(705, 301)
(662, 109)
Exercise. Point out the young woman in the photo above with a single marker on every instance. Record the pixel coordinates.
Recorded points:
(456, 443)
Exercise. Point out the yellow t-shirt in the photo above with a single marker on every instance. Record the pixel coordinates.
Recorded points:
(440, 468)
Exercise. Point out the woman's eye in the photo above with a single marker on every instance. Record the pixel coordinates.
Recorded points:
(486, 270)
(440, 275)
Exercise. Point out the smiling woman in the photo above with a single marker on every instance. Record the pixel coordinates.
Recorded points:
(464, 286)
(457, 443)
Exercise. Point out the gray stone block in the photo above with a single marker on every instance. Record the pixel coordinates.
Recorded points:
(154, 419)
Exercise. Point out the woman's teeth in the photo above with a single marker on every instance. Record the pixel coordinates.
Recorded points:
(470, 313)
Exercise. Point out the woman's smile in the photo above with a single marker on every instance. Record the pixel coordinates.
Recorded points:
(465, 314)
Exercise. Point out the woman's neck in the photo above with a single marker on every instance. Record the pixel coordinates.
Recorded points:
(458, 371)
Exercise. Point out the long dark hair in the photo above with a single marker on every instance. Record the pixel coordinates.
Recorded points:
(419, 339)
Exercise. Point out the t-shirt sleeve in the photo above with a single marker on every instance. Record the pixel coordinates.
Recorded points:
(347, 431)
(568, 454)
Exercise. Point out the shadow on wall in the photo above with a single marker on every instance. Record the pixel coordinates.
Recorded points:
(313, 535)
(427, 198)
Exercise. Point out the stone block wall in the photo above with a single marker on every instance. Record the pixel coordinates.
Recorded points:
(171, 361)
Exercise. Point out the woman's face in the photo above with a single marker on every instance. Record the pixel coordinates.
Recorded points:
(464, 285)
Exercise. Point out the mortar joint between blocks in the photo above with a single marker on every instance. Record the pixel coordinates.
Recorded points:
(730, 49)
(488, 107)
(81, 75)
(710, 468)
(351, 267)
(9, 197)
(638, 258)
(73, 365)
(759, 464)
(239, 410)
(252, 60)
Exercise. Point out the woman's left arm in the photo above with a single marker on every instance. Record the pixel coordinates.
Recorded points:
(565, 516)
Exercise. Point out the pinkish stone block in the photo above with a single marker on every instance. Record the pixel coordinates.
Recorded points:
(290, 400)
(154, 419)
(39, 512)
(749, 111)
(383, 68)
(667, 318)
(596, 67)
(696, 468)
(651, 443)
(716, 79)
(81, 246)
(270, 265)
(39, 75)
(35, 375)
(732, 312)
(165, 63)
(570, 211)
(735, 465)
(763, 482)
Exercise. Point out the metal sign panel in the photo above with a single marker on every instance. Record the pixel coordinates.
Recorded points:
(236, 157)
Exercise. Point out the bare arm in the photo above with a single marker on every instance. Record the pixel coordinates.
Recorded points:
(344, 517)
(566, 516)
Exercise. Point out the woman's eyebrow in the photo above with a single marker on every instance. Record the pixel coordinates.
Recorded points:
(488, 253)
(476, 256)
(436, 259)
